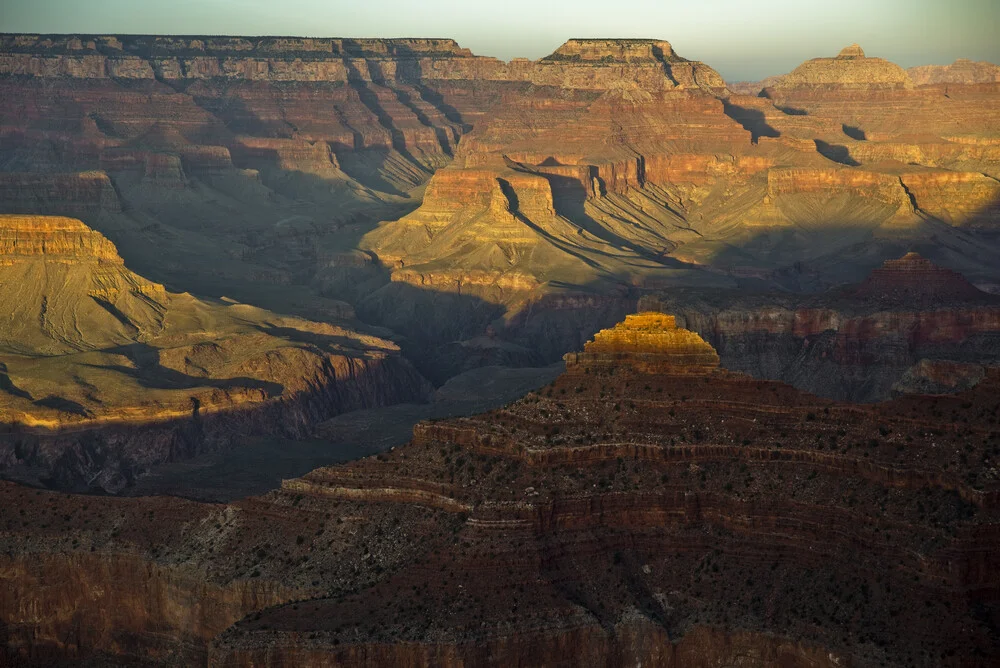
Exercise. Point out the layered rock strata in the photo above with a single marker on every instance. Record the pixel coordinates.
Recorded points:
(646, 343)
(914, 279)
(675, 517)
(388, 172)
(863, 342)
(104, 373)
(962, 71)
(849, 68)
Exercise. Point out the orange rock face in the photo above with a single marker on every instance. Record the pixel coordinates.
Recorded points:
(648, 343)
(52, 236)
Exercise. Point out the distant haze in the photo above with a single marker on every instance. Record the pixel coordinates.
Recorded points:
(740, 38)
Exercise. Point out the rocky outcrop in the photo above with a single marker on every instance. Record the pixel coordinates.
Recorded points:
(647, 343)
(850, 68)
(23, 237)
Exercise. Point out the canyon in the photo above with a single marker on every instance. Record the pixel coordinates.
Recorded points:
(330, 351)
(389, 180)
(655, 509)
(104, 373)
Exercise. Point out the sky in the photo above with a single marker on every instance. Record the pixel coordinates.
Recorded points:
(742, 39)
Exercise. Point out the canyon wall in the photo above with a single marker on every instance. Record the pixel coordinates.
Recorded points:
(306, 172)
(860, 343)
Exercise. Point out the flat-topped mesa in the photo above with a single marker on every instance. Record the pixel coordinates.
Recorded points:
(151, 46)
(849, 69)
(52, 236)
(614, 50)
(580, 63)
(915, 279)
(652, 64)
(647, 343)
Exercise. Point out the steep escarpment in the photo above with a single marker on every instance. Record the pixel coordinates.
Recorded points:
(675, 514)
(105, 373)
(637, 186)
(866, 342)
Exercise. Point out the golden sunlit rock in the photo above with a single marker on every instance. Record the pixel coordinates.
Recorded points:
(648, 343)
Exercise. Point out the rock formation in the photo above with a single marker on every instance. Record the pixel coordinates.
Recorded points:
(913, 280)
(962, 71)
(849, 68)
(103, 373)
(647, 343)
(865, 342)
(667, 517)
(648, 507)
(440, 193)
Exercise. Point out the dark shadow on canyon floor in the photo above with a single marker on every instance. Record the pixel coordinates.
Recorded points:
(752, 120)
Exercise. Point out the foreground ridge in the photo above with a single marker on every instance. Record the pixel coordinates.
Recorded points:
(645, 515)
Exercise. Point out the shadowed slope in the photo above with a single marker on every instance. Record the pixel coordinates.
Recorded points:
(87, 346)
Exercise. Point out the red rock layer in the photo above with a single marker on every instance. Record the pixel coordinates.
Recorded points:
(856, 343)
(913, 277)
